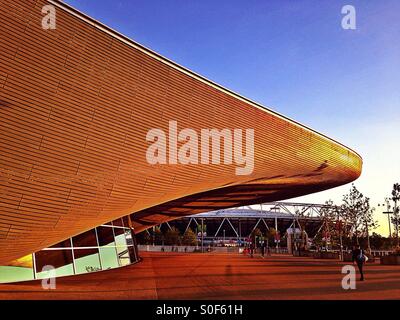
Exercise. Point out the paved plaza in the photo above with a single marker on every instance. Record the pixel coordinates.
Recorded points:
(217, 276)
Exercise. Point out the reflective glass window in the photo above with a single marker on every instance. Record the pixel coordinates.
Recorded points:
(117, 222)
(19, 270)
(14, 274)
(132, 254)
(105, 236)
(109, 257)
(122, 249)
(61, 260)
(118, 231)
(128, 237)
(86, 239)
(108, 252)
(87, 260)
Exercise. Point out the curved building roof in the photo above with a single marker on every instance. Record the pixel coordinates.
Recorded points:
(76, 104)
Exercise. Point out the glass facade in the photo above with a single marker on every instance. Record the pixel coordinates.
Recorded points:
(108, 246)
(121, 246)
(61, 260)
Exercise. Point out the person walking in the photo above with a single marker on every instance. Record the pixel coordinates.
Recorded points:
(251, 249)
(360, 258)
(262, 249)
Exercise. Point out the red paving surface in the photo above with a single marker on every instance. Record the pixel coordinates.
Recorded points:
(217, 276)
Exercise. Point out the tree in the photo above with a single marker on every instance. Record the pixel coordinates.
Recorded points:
(396, 216)
(189, 238)
(377, 241)
(158, 236)
(329, 215)
(200, 229)
(255, 234)
(356, 210)
(144, 237)
(172, 236)
(271, 233)
(302, 217)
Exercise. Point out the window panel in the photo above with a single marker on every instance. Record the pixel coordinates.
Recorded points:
(107, 250)
(86, 239)
(105, 236)
(55, 258)
(117, 222)
(132, 254)
(118, 231)
(13, 274)
(128, 237)
(87, 262)
(61, 260)
(80, 253)
(109, 258)
(122, 249)
(123, 257)
(111, 247)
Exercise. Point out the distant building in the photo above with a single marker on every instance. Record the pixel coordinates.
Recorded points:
(234, 226)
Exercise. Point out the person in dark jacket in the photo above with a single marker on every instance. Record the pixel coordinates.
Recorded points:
(359, 258)
(263, 249)
(252, 249)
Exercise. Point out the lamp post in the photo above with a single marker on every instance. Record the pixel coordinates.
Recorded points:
(202, 235)
(339, 227)
(240, 233)
(388, 212)
(276, 210)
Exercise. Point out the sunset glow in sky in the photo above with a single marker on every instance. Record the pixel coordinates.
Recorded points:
(293, 57)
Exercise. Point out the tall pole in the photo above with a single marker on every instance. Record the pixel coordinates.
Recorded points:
(340, 233)
(388, 212)
(294, 245)
(368, 242)
(341, 243)
(367, 230)
(390, 229)
(202, 234)
(276, 231)
(395, 212)
(240, 232)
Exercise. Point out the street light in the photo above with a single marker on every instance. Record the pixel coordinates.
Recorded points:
(388, 214)
(276, 210)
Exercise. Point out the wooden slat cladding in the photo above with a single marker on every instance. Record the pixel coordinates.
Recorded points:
(75, 106)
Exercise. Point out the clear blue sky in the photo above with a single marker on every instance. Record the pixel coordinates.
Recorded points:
(291, 56)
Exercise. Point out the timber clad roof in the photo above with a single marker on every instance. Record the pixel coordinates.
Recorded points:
(75, 106)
